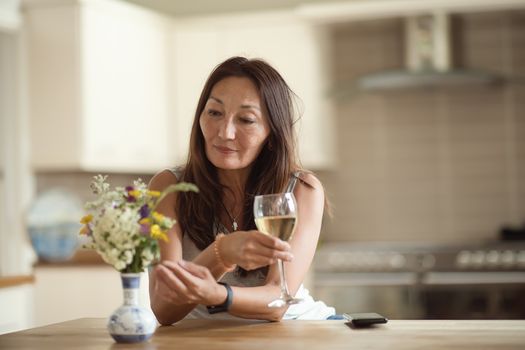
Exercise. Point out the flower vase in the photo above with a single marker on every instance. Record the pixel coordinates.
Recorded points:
(131, 323)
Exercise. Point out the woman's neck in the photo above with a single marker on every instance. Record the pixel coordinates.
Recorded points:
(233, 196)
(235, 180)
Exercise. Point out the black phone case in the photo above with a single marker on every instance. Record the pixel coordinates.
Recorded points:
(365, 319)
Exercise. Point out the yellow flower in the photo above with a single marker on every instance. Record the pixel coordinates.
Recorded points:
(157, 233)
(84, 230)
(158, 217)
(144, 221)
(134, 193)
(154, 193)
(86, 219)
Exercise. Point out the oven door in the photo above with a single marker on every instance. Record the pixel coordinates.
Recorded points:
(473, 295)
(389, 293)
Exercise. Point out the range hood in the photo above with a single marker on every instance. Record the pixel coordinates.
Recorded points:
(428, 59)
(428, 43)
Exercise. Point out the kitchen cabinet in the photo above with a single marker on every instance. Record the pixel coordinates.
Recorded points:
(296, 49)
(9, 15)
(98, 90)
(67, 292)
(16, 303)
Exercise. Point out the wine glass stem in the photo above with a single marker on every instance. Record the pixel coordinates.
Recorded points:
(284, 286)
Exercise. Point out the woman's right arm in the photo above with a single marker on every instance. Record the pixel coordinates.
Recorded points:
(167, 297)
(166, 311)
(170, 299)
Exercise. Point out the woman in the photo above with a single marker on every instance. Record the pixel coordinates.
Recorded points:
(242, 144)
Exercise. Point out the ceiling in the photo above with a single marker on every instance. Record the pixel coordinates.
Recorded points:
(200, 7)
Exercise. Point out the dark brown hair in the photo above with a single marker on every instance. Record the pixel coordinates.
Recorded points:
(270, 171)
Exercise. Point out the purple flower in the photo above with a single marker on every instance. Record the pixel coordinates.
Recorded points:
(129, 188)
(144, 211)
(144, 228)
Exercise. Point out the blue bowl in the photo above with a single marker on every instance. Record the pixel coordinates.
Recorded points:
(55, 242)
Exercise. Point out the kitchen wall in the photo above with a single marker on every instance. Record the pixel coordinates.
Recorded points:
(78, 183)
(443, 165)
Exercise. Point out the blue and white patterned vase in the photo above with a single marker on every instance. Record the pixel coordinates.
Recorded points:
(131, 323)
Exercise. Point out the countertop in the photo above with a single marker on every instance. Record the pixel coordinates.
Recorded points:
(90, 333)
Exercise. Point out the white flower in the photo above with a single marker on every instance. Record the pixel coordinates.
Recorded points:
(147, 257)
(115, 232)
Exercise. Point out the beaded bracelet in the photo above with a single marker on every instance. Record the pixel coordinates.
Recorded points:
(228, 268)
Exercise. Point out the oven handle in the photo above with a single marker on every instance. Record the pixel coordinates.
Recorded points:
(347, 279)
(466, 278)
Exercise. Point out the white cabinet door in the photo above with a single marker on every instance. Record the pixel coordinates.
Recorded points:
(124, 84)
(51, 38)
(99, 91)
(66, 293)
(195, 54)
(17, 307)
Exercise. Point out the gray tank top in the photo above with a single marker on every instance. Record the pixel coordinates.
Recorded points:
(190, 250)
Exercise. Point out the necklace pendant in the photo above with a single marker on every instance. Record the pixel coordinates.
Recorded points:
(234, 225)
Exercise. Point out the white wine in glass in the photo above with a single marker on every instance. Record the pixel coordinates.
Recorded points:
(276, 215)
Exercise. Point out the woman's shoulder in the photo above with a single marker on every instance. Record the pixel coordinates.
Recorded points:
(309, 179)
(164, 178)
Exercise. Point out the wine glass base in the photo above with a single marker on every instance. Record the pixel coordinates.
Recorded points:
(281, 302)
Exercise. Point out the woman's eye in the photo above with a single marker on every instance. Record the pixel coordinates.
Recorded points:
(247, 121)
(213, 113)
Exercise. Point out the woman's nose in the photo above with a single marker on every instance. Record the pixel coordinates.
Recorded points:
(227, 129)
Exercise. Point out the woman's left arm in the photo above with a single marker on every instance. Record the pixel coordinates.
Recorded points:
(250, 302)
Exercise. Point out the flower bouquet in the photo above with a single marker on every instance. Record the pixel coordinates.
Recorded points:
(124, 227)
(125, 230)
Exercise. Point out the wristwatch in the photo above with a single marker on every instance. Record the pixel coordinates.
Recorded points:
(224, 307)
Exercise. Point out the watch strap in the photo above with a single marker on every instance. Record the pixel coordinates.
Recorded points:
(224, 307)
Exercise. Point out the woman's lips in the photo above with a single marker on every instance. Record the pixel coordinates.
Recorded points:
(224, 150)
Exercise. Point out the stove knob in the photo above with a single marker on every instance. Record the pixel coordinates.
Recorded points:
(463, 259)
(478, 259)
(373, 262)
(493, 258)
(350, 261)
(428, 261)
(508, 258)
(397, 261)
(520, 259)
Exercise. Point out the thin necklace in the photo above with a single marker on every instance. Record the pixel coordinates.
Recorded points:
(232, 218)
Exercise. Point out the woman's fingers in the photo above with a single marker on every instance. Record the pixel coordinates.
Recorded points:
(197, 280)
(269, 255)
(189, 279)
(173, 289)
(271, 242)
(253, 249)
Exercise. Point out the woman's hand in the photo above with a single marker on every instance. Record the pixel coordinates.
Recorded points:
(253, 249)
(184, 282)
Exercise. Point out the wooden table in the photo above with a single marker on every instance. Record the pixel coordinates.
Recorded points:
(90, 333)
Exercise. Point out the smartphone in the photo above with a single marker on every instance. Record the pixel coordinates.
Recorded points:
(365, 319)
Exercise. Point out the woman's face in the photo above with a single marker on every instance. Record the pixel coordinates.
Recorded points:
(234, 124)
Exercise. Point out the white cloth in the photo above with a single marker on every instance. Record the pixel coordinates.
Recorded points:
(309, 309)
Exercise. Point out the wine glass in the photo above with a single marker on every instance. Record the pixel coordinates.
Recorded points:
(276, 215)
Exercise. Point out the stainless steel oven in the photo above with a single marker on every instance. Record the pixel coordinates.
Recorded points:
(403, 280)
